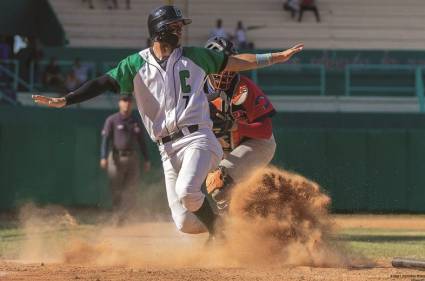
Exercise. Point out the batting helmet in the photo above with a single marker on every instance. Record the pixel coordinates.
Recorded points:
(160, 17)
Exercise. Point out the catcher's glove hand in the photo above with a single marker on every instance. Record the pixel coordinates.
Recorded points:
(215, 180)
(222, 122)
(219, 185)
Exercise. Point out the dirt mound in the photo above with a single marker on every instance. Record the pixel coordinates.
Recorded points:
(281, 217)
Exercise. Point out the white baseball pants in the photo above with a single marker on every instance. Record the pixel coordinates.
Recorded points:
(186, 163)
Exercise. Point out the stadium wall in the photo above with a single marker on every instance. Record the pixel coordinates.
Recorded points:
(367, 162)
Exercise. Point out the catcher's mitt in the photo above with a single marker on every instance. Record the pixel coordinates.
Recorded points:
(215, 180)
(218, 179)
(219, 185)
(222, 121)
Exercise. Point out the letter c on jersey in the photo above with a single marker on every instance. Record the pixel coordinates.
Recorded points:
(185, 74)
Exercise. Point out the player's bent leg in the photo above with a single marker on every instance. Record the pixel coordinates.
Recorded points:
(195, 167)
(184, 220)
(187, 222)
(248, 156)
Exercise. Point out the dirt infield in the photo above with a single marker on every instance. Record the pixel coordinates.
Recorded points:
(156, 251)
(13, 271)
(278, 230)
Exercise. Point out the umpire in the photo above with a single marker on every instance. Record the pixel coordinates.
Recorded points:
(121, 135)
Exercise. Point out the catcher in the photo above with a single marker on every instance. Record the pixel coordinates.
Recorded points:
(241, 115)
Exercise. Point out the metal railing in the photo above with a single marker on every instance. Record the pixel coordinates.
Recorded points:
(419, 85)
(10, 70)
(5, 97)
(416, 89)
(293, 68)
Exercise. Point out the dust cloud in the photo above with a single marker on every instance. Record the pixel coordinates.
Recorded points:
(276, 218)
(279, 217)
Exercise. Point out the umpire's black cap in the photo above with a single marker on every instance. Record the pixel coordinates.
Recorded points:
(162, 16)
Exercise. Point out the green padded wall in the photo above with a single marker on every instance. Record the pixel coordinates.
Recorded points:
(366, 162)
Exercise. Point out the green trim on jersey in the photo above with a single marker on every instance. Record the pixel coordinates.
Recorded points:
(210, 61)
(125, 72)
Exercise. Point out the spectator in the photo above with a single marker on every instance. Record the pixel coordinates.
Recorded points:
(240, 36)
(308, 5)
(71, 82)
(218, 31)
(52, 76)
(90, 2)
(292, 6)
(80, 71)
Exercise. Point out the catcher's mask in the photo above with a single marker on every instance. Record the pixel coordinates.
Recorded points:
(223, 80)
(159, 22)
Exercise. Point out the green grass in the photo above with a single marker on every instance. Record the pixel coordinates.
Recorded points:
(385, 243)
(13, 239)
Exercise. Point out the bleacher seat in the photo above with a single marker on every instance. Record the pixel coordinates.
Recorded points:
(346, 24)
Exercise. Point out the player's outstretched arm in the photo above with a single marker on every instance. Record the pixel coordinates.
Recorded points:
(242, 62)
(48, 101)
(87, 91)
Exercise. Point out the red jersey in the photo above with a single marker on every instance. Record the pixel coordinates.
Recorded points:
(251, 109)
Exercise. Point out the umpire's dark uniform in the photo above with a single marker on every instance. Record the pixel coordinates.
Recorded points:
(121, 136)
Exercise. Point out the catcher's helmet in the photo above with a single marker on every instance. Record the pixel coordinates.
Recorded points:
(160, 17)
(221, 44)
(221, 81)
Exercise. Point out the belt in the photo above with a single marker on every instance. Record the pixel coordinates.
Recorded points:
(178, 134)
(124, 152)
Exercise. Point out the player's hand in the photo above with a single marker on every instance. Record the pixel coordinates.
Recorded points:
(103, 163)
(287, 54)
(48, 101)
(147, 166)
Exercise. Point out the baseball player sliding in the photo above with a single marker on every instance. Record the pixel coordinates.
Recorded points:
(167, 81)
(241, 116)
